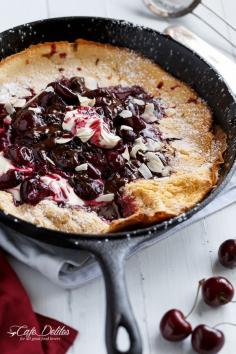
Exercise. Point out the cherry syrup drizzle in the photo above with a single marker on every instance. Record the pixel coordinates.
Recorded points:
(29, 143)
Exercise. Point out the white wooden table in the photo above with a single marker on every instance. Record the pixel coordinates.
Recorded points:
(159, 278)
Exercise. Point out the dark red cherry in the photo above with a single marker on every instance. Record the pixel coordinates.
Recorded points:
(29, 126)
(134, 122)
(65, 93)
(97, 158)
(77, 84)
(87, 188)
(32, 191)
(217, 291)
(124, 92)
(115, 160)
(115, 182)
(127, 135)
(50, 101)
(21, 155)
(10, 179)
(93, 172)
(138, 124)
(3, 112)
(3, 138)
(54, 119)
(27, 121)
(64, 157)
(227, 253)
(44, 99)
(174, 327)
(207, 340)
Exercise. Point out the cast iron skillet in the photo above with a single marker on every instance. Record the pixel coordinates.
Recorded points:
(111, 250)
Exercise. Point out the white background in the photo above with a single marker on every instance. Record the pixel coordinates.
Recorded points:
(166, 275)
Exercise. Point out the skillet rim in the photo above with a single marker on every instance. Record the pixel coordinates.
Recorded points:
(73, 238)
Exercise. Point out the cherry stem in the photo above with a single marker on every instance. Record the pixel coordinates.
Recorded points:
(225, 323)
(196, 298)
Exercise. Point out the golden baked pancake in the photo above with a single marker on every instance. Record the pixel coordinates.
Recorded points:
(96, 139)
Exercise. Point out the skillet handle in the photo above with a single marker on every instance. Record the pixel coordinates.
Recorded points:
(119, 312)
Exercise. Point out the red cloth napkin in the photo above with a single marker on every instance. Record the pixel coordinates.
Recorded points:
(21, 330)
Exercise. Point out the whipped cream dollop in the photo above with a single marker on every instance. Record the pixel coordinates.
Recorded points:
(62, 191)
(88, 125)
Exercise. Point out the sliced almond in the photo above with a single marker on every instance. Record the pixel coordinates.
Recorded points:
(9, 108)
(126, 154)
(105, 197)
(85, 101)
(125, 113)
(35, 109)
(148, 114)
(52, 162)
(82, 167)
(138, 102)
(144, 170)
(126, 127)
(138, 145)
(153, 145)
(62, 140)
(49, 89)
(154, 162)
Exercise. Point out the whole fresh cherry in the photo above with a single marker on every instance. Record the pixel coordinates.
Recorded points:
(227, 253)
(217, 291)
(207, 340)
(174, 327)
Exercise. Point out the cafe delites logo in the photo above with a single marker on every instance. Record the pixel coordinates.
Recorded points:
(24, 332)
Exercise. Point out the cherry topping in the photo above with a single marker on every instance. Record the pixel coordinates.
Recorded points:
(3, 112)
(10, 179)
(32, 191)
(174, 326)
(26, 121)
(77, 84)
(115, 160)
(35, 136)
(87, 188)
(217, 291)
(3, 139)
(29, 125)
(227, 253)
(138, 124)
(49, 101)
(93, 172)
(65, 158)
(97, 158)
(65, 93)
(128, 135)
(120, 178)
(21, 155)
(207, 340)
